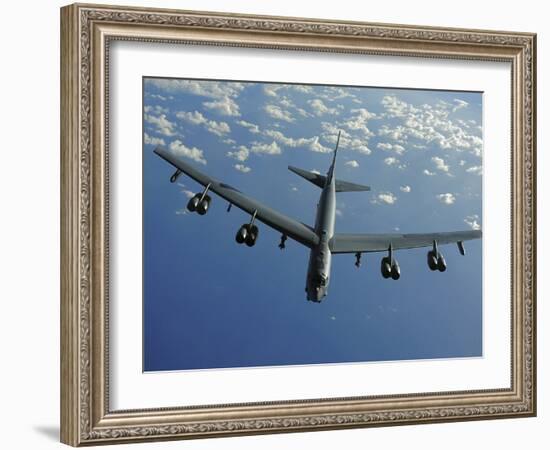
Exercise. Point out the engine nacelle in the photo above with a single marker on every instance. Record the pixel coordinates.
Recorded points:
(253, 232)
(193, 203)
(203, 205)
(441, 264)
(385, 267)
(248, 233)
(242, 234)
(395, 271)
(432, 260)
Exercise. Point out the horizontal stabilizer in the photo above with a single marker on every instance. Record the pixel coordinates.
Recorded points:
(319, 180)
(346, 186)
(315, 178)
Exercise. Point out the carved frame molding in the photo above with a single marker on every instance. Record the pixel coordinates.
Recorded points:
(86, 31)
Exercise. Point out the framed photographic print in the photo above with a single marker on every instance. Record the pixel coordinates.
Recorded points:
(275, 224)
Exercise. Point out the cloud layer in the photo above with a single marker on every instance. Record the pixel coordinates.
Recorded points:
(418, 141)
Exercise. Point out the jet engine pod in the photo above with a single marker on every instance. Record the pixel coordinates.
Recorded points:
(385, 267)
(395, 271)
(204, 204)
(441, 264)
(432, 260)
(194, 202)
(242, 234)
(253, 232)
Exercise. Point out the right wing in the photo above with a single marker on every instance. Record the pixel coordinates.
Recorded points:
(290, 227)
(354, 243)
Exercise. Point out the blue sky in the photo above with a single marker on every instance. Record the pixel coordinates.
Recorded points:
(211, 303)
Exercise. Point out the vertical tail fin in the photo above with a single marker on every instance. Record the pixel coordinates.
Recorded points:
(331, 169)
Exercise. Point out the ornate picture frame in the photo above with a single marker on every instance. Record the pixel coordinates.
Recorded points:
(87, 31)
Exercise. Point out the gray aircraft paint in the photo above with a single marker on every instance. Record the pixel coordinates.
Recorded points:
(320, 256)
(322, 241)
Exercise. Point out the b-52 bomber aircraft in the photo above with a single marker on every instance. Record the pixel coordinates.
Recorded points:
(322, 241)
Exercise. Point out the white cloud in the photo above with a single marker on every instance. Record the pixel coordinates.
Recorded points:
(387, 198)
(394, 106)
(429, 123)
(478, 170)
(316, 146)
(285, 140)
(271, 89)
(241, 153)
(405, 188)
(269, 149)
(301, 88)
(188, 193)
(357, 145)
(286, 102)
(156, 97)
(472, 222)
(338, 212)
(253, 128)
(211, 89)
(163, 125)
(384, 146)
(312, 143)
(332, 93)
(459, 104)
(391, 161)
(225, 106)
(277, 113)
(447, 199)
(399, 133)
(427, 172)
(319, 108)
(196, 118)
(347, 140)
(242, 168)
(303, 112)
(352, 163)
(156, 109)
(440, 164)
(180, 149)
(358, 122)
(151, 140)
(461, 162)
(222, 93)
(399, 149)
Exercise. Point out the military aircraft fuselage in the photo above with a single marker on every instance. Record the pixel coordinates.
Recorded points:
(318, 272)
(321, 239)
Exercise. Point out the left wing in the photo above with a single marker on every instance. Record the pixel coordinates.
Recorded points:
(290, 227)
(354, 243)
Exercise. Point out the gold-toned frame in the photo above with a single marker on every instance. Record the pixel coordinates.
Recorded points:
(86, 32)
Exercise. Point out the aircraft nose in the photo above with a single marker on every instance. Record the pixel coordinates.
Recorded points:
(316, 294)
